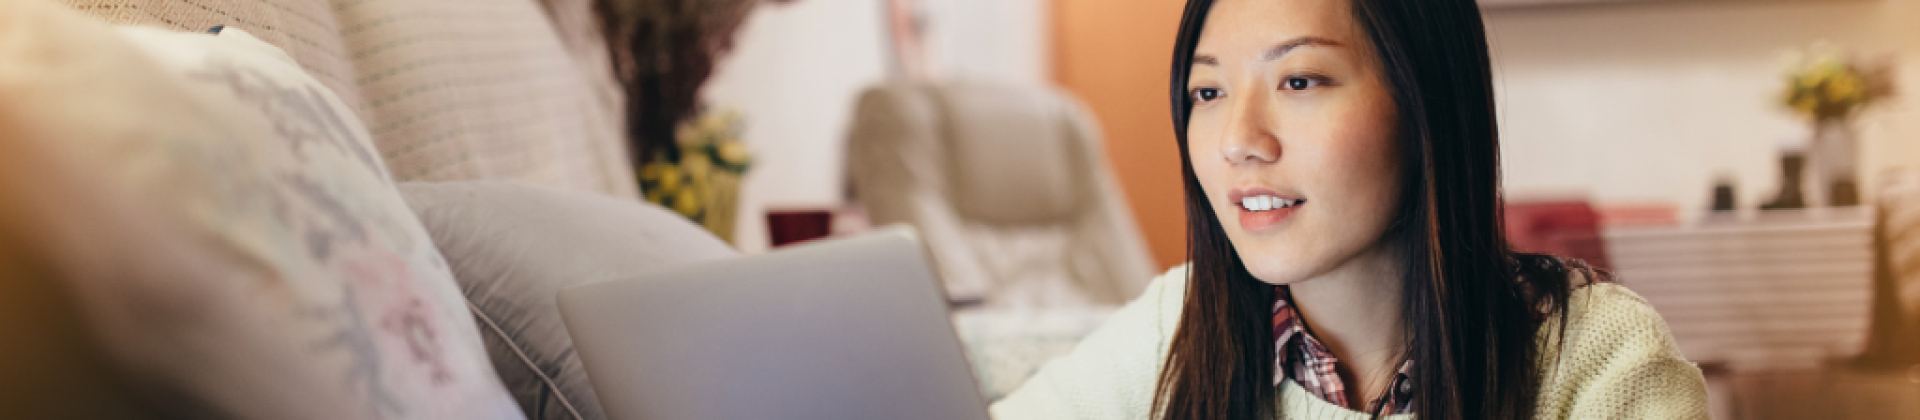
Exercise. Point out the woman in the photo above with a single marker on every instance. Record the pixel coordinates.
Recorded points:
(1346, 253)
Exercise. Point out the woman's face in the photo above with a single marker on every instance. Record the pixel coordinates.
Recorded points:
(1292, 135)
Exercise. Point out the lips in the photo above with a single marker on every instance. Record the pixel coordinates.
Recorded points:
(1263, 208)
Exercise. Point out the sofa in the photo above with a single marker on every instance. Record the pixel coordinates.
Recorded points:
(330, 209)
(259, 208)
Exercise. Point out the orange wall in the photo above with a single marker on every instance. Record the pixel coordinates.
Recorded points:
(1114, 55)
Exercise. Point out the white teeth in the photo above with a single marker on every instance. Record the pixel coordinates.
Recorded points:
(1267, 202)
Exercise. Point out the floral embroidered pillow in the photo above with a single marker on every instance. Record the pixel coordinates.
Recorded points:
(314, 292)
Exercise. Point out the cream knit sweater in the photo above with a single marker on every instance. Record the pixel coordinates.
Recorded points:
(1619, 363)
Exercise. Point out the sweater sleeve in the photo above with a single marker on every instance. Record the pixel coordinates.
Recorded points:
(1110, 374)
(1620, 361)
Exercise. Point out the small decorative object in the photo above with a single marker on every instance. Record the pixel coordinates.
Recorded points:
(1723, 194)
(787, 227)
(1829, 88)
(906, 29)
(700, 177)
(1792, 162)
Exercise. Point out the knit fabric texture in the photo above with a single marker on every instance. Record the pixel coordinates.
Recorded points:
(1617, 360)
(510, 90)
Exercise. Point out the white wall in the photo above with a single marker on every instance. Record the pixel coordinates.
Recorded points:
(998, 40)
(1650, 102)
(797, 69)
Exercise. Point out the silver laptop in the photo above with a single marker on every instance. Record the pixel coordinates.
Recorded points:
(844, 329)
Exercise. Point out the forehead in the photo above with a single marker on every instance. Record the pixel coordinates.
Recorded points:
(1238, 27)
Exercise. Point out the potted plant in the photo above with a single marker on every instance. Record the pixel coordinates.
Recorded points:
(700, 176)
(1829, 88)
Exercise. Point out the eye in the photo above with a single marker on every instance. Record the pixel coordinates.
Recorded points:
(1205, 94)
(1299, 83)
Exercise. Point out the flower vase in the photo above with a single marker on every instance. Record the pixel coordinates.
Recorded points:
(722, 203)
(1832, 164)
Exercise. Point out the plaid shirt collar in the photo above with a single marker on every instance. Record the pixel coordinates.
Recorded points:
(1300, 356)
(1303, 358)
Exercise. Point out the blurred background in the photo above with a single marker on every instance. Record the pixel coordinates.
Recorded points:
(1750, 167)
(1747, 165)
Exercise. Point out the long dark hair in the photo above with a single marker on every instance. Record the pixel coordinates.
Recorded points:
(1470, 324)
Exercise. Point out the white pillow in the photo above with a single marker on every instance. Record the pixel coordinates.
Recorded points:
(260, 264)
(514, 246)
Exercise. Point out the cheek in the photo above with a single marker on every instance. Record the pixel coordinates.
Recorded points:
(1364, 160)
(1203, 152)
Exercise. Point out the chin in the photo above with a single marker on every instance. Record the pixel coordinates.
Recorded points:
(1276, 270)
(1278, 276)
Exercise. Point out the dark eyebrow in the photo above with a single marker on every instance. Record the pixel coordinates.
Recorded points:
(1276, 51)
(1281, 49)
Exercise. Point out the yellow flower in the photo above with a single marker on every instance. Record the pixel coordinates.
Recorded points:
(1844, 88)
(652, 171)
(1806, 105)
(714, 124)
(697, 164)
(687, 202)
(1803, 81)
(670, 179)
(733, 153)
(657, 196)
(1829, 66)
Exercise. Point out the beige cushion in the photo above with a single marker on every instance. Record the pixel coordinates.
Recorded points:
(514, 246)
(1012, 154)
(250, 257)
(451, 89)
(482, 89)
(305, 29)
(1009, 186)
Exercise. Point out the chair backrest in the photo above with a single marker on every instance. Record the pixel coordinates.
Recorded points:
(1009, 185)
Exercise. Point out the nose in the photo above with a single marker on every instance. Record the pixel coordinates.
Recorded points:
(1250, 133)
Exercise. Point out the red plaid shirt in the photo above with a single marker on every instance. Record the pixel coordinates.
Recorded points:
(1300, 356)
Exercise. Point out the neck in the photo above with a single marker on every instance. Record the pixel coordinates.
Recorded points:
(1355, 310)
